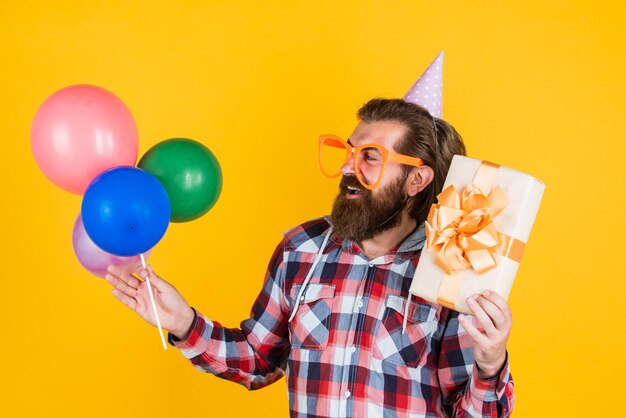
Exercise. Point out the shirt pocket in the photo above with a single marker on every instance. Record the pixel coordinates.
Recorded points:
(404, 349)
(309, 328)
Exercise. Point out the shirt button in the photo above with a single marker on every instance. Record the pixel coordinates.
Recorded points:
(360, 304)
(352, 349)
(370, 264)
(302, 298)
(347, 394)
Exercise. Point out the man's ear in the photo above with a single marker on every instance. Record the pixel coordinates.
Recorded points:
(418, 179)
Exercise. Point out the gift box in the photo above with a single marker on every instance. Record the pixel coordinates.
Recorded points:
(476, 233)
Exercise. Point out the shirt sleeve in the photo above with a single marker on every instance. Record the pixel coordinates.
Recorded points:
(253, 355)
(465, 394)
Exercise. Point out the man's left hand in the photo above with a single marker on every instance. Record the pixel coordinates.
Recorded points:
(493, 317)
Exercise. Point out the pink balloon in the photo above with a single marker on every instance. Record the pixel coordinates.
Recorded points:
(95, 260)
(80, 131)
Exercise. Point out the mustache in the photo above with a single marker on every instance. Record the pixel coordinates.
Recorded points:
(351, 181)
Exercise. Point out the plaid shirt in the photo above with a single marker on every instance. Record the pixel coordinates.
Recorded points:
(344, 353)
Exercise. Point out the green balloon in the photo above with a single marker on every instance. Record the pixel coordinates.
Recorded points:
(190, 174)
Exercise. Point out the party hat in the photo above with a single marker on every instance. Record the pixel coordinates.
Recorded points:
(427, 90)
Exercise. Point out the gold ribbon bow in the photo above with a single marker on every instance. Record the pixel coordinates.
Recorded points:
(460, 228)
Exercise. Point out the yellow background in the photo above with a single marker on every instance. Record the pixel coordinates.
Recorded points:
(534, 85)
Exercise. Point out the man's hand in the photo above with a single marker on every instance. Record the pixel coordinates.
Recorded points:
(175, 314)
(493, 316)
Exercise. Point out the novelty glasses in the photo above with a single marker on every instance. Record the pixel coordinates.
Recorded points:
(369, 159)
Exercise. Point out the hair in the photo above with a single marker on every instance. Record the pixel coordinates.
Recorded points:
(433, 140)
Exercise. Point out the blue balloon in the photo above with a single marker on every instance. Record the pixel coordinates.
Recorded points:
(125, 211)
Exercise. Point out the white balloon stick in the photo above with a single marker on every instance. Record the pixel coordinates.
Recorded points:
(156, 314)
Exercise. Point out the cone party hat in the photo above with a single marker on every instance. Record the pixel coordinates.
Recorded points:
(427, 90)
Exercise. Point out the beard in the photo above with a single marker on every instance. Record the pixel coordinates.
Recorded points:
(363, 218)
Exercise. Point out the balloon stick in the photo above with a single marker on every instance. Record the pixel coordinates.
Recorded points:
(156, 314)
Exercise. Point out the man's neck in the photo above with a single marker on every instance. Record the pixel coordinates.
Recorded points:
(382, 243)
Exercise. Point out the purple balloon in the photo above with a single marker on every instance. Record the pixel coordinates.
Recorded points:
(96, 260)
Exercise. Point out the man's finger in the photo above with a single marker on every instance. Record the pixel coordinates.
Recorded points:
(482, 317)
(158, 282)
(111, 278)
(121, 285)
(123, 275)
(129, 279)
(476, 335)
(500, 302)
(125, 299)
(114, 270)
(494, 312)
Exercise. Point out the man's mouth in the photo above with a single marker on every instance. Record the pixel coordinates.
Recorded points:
(354, 192)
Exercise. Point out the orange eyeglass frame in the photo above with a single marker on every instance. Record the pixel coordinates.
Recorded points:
(337, 142)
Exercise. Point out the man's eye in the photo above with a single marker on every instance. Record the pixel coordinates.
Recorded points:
(372, 156)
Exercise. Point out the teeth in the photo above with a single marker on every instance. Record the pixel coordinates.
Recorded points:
(353, 188)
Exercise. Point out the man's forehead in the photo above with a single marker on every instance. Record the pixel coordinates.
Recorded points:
(380, 132)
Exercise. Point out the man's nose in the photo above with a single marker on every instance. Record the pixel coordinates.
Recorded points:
(348, 167)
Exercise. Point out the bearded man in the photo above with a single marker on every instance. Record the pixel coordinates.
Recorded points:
(330, 314)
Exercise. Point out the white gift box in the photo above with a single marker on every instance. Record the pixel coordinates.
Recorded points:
(450, 285)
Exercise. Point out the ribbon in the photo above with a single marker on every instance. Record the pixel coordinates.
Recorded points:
(460, 229)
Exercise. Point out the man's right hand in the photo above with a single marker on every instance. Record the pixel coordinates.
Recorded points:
(175, 314)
